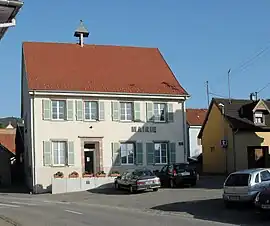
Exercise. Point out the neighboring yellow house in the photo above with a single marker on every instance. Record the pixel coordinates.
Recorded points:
(236, 135)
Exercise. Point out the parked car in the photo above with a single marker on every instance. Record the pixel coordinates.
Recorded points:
(243, 186)
(173, 175)
(137, 180)
(262, 202)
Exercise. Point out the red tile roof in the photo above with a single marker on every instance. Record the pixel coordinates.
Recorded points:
(195, 117)
(97, 68)
(8, 141)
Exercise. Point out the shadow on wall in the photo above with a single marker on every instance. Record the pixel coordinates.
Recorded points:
(39, 189)
(140, 151)
(212, 210)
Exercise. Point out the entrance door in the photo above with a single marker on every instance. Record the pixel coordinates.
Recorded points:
(257, 157)
(89, 161)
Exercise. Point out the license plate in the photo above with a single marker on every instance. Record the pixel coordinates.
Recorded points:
(265, 206)
(185, 173)
(234, 197)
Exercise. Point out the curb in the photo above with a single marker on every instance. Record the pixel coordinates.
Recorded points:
(9, 221)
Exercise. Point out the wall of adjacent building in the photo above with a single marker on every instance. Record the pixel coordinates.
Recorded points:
(195, 147)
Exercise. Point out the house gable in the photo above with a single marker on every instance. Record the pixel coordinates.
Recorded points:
(261, 106)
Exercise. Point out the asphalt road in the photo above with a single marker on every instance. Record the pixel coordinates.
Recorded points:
(185, 206)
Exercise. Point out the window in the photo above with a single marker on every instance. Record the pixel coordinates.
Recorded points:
(126, 111)
(160, 112)
(90, 110)
(238, 180)
(265, 175)
(258, 118)
(161, 153)
(58, 109)
(127, 153)
(257, 179)
(59, 149)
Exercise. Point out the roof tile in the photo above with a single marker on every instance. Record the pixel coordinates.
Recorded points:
(195, 117)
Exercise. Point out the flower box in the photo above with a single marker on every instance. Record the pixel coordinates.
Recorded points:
(101, 175)
(74, 174)
(87, 175)
(58, 175)
(114, 175)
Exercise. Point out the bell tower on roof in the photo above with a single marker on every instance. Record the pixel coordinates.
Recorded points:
(81, 32)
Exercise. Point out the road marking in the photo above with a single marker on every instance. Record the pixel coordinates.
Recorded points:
(71, 211)
(8, 205)
(56, 202)
(24, 203)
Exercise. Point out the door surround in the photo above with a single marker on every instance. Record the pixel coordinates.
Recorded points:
(98, 155)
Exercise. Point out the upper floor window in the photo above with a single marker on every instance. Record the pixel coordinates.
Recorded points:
(160, 112)
(258, 117)
(90, 110)
(58, 109)
(126, 111)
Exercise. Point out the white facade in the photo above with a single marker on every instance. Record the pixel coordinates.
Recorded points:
(53, 145)
(195, 148)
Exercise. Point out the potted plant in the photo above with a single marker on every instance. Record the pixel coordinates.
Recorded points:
(101, 174)
(114, 174)
(74, 174)
(58, 175)
(87, 174)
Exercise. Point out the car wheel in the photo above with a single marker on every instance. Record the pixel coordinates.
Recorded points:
(155, 189)
(116, 186)
(171, 184)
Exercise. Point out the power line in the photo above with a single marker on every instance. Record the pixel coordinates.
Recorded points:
(217, 95)
(264, 87)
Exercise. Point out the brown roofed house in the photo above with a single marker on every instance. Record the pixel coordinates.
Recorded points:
(236, 135)
(96, 108)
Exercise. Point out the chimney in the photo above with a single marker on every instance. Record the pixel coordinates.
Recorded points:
(81, 32)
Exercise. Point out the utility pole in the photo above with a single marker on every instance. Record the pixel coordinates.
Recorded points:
(229, 86)
(207, 92)
(256, 96)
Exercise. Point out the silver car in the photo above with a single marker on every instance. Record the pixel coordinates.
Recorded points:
(243, 186)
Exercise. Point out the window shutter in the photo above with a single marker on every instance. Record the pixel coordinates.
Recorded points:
(101, 115)
(71, 160)
(139, 153)
(150, 153)
(70, 107)
(150, 111)
(116, 159)
(172, 153)
(170, 113)
(79, 110)
(47, 153)
(47, 112)
(137, 111)
(115, 111)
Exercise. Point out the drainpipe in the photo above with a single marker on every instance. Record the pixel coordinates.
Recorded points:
(234, 151)
(33, 143)
(184, 130)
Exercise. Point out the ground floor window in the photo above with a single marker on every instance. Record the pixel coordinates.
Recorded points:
(59, 149)
(127, 153)
(161, 150)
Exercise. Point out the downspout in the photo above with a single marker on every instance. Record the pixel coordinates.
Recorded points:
(184, 131)
(34, 144)
(234, 151)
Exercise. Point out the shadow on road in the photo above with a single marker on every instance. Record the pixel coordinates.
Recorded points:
(214, 210)
(113, 191)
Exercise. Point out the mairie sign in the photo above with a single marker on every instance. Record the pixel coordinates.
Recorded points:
(144, 129)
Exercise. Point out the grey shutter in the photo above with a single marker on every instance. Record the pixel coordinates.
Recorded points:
(116, 158)
(137, 111)
(150, 112)
(70, 108)
(172, 153)
(139, 153)
(150, 153)
(170, 113)
(115, 111)
(47, 153)
(79, 110)
(47, 110)
(101, 114)
(70, 157)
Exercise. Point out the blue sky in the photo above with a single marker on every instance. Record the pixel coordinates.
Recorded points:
(199, 39)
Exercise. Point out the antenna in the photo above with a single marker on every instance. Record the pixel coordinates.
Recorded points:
(207, 92)
(229, 88)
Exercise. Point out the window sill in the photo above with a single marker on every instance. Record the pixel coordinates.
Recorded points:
(57, 120)
(91, 120)
(130, 164)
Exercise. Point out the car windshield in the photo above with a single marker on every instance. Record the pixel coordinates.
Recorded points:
(237, 180)
(143, 173)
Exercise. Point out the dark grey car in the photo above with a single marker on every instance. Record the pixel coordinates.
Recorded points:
(137, 180)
